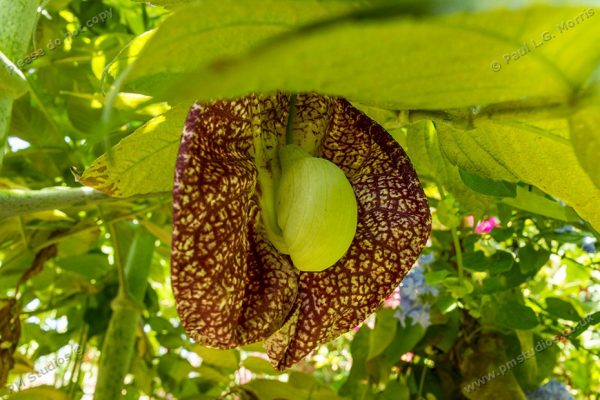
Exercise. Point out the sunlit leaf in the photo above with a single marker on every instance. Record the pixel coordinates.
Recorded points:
(510, 150)
(585, 136)
(435, 66)
(562, 309)
(143, 162)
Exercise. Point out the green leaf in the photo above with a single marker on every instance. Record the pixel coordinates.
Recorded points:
(436, 67)
(435, 277)
(562, 309)
(311, 386)
(424, 151)
(143, 162)
(585, 137)
(531, 259)
(500, 261)
(40, 392)
(458, 288)
(12, 80)
(589, 320)
(405, 340)
(475, 261)
(515, 315)
(535, 203)
(383, 333)
(227, 360)
(90, 265)
(267, 389)
(259, 365)
(444, 336)
(358, 372)
(226, 28)
(211, 374)
(302, 380)
(487, 186)
(448, 212)
(510, 150)
(395, 390)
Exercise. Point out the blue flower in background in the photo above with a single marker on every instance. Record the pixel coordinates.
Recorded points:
(426, 259)
(420, 315)
(589, 244)
(553, 390)
(412, 290)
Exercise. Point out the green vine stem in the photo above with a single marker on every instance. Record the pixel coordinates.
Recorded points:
(455, 241)
(17, 21)
(21, 202)
(458, 251)
(119, 341)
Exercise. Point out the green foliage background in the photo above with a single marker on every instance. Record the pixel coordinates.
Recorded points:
(105, 108)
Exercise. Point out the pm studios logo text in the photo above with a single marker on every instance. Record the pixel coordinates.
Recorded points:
(30, 378)
(542, 39)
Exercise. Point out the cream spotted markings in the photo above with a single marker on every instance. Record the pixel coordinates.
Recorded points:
(231, 285)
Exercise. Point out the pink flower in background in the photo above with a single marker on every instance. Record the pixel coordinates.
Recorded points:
(393, 300)
(487, 225)
(469, 221)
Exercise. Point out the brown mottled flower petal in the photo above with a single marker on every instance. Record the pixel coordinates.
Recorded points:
(393, 226)
(231, 285)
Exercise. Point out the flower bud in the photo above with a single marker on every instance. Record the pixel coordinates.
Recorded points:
(316, 210)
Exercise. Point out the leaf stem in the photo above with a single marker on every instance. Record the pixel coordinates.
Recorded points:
(422, 382)
(458, 251)
(455, 240)
(117, 252)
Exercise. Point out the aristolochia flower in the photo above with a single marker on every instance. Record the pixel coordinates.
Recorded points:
(265, 194)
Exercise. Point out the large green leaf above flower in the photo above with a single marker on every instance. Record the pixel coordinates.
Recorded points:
(231, 284)
(379, 56)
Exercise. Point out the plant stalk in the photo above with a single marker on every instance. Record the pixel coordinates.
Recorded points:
(17, 22)
(119, 341)
(14, 202)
